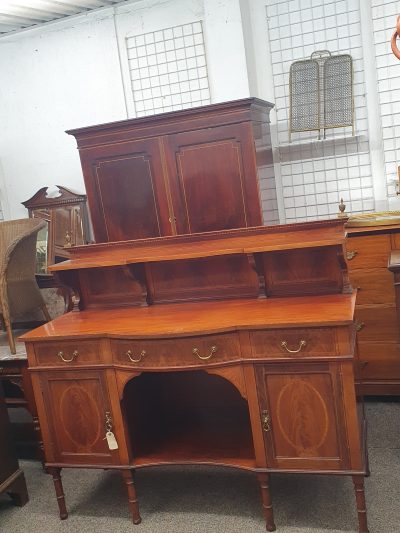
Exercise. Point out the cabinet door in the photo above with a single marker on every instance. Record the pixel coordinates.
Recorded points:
(126, 183)
(303, 418)
(76, 405)
(213, 176)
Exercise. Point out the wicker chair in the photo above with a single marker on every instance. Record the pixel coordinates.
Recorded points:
(19, 293)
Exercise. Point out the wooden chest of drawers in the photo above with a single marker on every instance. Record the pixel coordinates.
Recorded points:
(378, 337)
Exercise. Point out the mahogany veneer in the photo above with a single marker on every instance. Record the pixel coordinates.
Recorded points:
(227, 348)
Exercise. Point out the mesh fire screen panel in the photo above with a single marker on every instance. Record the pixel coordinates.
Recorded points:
(321, 93)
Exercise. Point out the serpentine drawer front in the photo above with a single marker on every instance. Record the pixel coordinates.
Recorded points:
(71, 353)
(188, 351)
(297, 342)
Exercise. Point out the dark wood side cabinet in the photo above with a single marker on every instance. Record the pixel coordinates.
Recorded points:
(229, 348)
(377, 309)
(182, 172)
(12, 479)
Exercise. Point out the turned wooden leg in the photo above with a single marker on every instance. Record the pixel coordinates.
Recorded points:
(132, 499)
(55, 472)
(266, 502)
(361, 507)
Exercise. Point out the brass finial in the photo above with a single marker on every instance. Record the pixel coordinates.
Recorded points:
(342, 207)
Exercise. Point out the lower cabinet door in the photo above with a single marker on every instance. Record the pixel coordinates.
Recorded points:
(78, 414)
(303, 416)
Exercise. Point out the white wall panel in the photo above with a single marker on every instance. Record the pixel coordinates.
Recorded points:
(317, 173)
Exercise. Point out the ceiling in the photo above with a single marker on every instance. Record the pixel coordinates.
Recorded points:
(16, 15)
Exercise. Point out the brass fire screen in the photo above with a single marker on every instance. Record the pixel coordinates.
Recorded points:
(321, 93)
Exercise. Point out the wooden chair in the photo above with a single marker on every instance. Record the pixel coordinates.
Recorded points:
(19, 293)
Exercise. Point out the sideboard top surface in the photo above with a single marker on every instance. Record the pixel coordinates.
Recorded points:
(200, 317)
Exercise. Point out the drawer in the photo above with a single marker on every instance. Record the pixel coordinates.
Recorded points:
(68, 353)
(306, 342)
(379, 360)
(371, 251)
(377, 323)
(188, 351)
(375, 286)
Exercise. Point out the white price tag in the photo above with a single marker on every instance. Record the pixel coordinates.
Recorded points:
(111, 441)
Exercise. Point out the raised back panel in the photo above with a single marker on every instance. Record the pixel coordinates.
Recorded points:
(305, 271)
(200, 279)
(126, 191)
(112, 286)
(127, 198)
(215, 176)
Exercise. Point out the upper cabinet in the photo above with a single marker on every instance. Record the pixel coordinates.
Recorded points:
(182, 172)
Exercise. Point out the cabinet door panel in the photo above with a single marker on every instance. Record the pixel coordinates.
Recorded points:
(214, 179)
(127, 184)
(76, 406)
(306, 415)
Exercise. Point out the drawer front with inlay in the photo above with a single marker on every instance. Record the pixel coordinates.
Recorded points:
(72, 353)
(298, 343)
(188, 351)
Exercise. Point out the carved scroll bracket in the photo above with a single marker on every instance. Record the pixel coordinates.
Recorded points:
(256, 263)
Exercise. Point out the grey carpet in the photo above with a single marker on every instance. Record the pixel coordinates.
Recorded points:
(208, 500)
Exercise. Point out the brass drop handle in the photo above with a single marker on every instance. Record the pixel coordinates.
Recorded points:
(74, 355)
(205, 357)
(266, 421)
(301, 345)
(360, 326)
(351, 255)
(129, 353)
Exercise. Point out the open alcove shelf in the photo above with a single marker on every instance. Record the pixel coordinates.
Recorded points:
(187, 418)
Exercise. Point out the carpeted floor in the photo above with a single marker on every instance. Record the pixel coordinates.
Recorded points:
(208, 500)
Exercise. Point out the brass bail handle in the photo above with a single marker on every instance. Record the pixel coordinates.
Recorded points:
(129, 353)
(205, 357)
(74, 355)
(284, 344)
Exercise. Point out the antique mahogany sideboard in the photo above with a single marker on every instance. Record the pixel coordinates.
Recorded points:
(176, 173)
(376, 314)
(230, 348)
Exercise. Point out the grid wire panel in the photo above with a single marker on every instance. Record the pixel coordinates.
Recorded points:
(168, 69)
(384, 15)
(316, 174)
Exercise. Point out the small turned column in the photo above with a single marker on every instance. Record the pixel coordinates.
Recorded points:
(266, 502)
(55, 472)
(361, 506)
(132, 499)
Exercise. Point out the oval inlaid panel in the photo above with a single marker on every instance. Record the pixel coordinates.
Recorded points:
(303, 417)
(80, 417)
